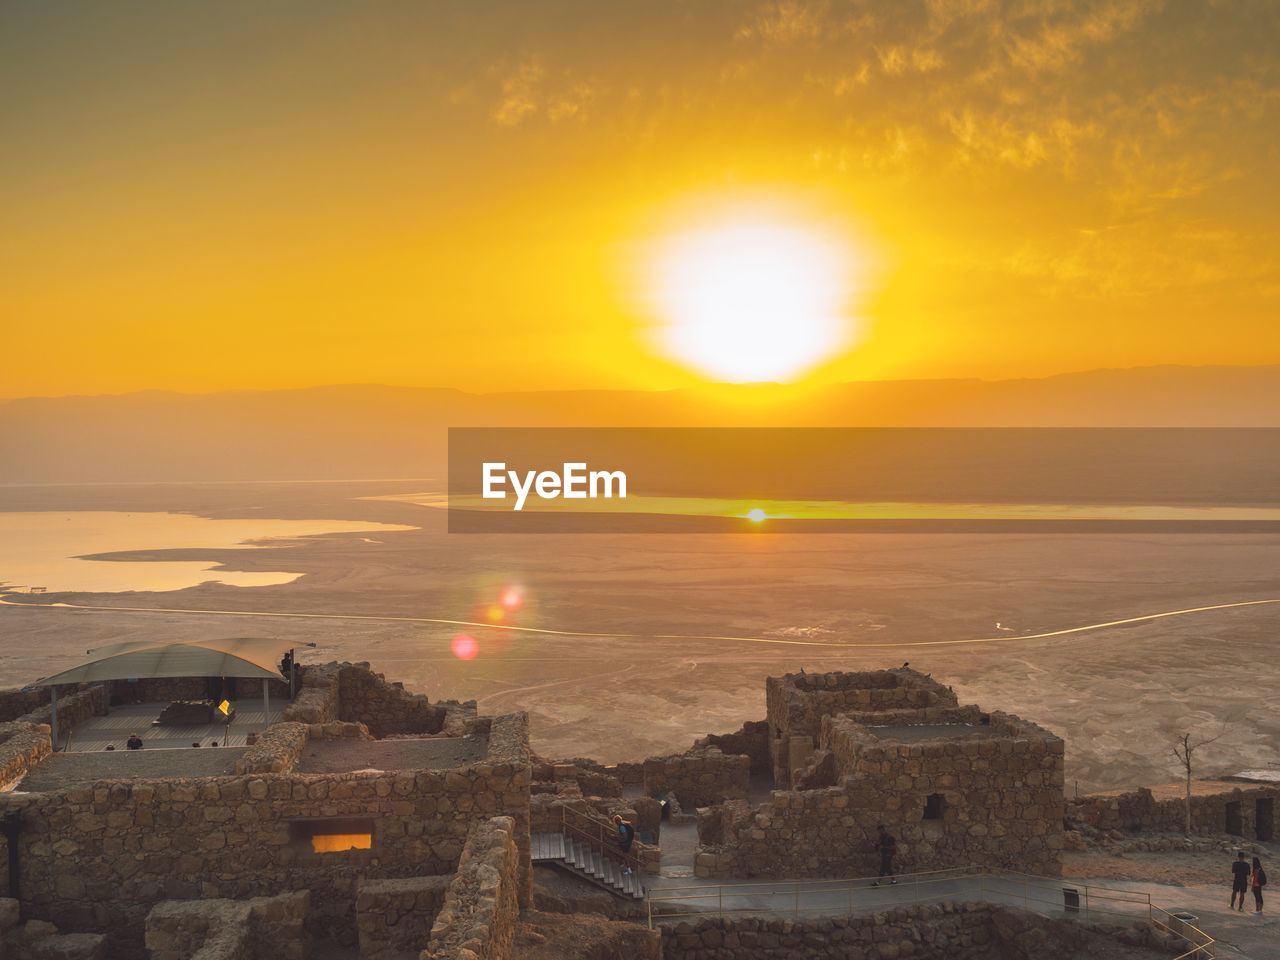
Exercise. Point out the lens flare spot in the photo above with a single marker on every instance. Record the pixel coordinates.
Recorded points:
(512, 598)
(495, 614)
(464, 647)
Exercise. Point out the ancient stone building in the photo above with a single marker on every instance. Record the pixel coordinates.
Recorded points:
(316, 804)
(958, 787)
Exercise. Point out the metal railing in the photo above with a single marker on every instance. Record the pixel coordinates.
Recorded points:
(795, 898)
(598, 835)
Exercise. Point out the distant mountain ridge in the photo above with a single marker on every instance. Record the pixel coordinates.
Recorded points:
(371, 431)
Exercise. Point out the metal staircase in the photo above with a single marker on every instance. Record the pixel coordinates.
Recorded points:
(585, 847)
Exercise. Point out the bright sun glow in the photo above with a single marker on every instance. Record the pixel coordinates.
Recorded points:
(752, 301)
(756, 515)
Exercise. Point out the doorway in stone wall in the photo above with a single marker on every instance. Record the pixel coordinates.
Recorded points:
(1235, 819)
(1264, 818)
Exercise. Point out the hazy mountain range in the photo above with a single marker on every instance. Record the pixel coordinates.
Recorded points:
(370, 431)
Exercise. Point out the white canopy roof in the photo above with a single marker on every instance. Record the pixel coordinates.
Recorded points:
(234, 657)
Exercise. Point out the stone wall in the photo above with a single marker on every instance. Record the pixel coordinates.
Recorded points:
(316, 698)
(277, 750)
(395, 917)
(482, 906)
(165, 689)
(932, 932)
(751, 739)
(16, 701)
(74, 707)
(592, 779)
(798, 702)
(938, 931)
(698, 778)
(264, 928)
(22, 746)
(1247, 810)
(100, 856)
(38, 940)
(76, 703)
(388, 709)
(1002, 806)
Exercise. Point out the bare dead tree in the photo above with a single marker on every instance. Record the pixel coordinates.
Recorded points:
(1185, 750)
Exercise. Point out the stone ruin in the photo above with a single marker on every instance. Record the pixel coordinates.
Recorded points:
(956, 786)
(236, 866)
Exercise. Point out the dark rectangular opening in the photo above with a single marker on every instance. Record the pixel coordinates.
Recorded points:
(935, 805)
(1235, 819)
(1265, 818)
(333, 836)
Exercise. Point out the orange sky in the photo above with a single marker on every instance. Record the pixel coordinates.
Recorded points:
(200, 197)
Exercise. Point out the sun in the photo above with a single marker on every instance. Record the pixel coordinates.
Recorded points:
(747, 300)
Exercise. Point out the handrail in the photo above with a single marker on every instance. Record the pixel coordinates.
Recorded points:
(784, 896)
(598, 836)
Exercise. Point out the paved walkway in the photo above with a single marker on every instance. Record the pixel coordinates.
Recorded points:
(1240, 936)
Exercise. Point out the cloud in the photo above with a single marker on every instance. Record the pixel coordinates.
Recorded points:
(527, 93)
(787, 21)
(519, 99)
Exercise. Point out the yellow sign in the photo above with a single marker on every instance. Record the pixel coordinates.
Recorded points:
(225, 708)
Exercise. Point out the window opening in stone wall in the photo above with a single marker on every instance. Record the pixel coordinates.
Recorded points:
(935, 805)
(334, 836)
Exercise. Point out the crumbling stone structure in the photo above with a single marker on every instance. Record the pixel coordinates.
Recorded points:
(22, 746)
(699, 777)
(25, 731)
(387, 709)
(482, 905)
(1234, 808)
(938, 931)
(264, 928)
(395, 917)
(750, 740)
(956, 786)
(99, 855)
(797, 702)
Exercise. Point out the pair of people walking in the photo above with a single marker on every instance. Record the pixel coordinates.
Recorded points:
(1244, 878)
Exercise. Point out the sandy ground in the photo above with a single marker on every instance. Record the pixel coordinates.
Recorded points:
(691, 625)
(341, 756)
(68, 769)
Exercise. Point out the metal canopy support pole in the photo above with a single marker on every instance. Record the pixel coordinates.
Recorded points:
(266, 703)
(53, 716)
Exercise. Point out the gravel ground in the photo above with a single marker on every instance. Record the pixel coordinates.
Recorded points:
(70, 769)
(339, 756)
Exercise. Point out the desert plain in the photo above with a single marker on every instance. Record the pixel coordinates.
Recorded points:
(625, 646)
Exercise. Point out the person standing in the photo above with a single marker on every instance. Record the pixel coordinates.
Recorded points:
(888, 847)
(626, 833)
(1239, 881)
(1257, 880)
